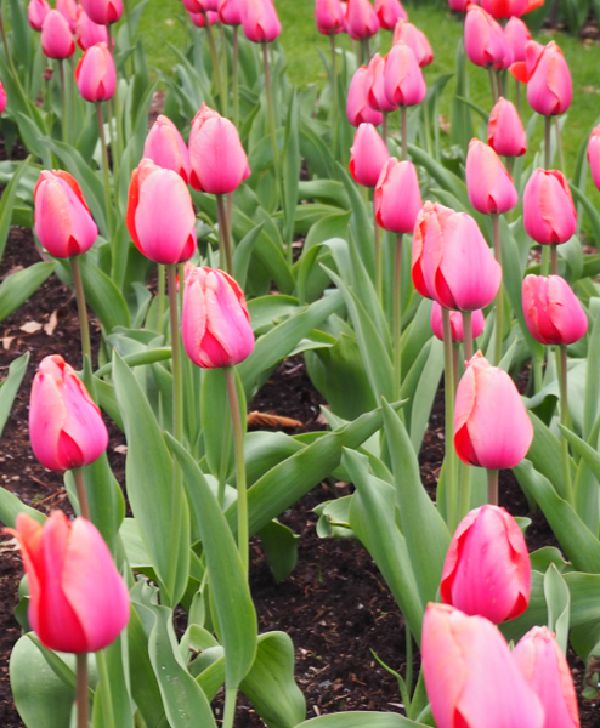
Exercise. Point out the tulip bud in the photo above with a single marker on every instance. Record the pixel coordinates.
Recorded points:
(160, 216)
(550, 89)
(517, 36)
(2, 99)
(96, 74)
(504, 8)
(408, 33)
(70, 9)
(78, 601)
(260, 21)
(544, 667)
(523, 70)
(470, 675)
(215, 322)
(485, 44)
(376, 84)
(57, 40)
(361, 19)
(103, 12)
(89, 33)
(506, 134)
(36, 13)
(201, 20)
(404, 81)
(552, 311)
(230, 11)
(549, 215)
(397, 198)
(456, 323)
(329, 15)
(368, 154)
(165, 147)
(491, 426)
(490, 187)
(62, 220)
(389, 12)
(65, 425)
(593, 155)
(358, 109)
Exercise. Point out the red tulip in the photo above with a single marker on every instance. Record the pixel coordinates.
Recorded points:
(260, 21)
(329, 15)
(550, 89)
(398, 181)
(485, 44)
(490, 187)
(593, 155)
(36, 13)
(200, 20)
(230, 12)
(358, 109)
(504, 8)
(88, 32)
(2, 98)
(506, 134)
(517, 36)
(96, 74)
(491, 426)
(165, 147)
(361, 19)
(65, 425)
(376, 83)
(408, 33)
(367, 156)
(78, 601)
(552, 311)
(549, 215)
(459, 6)
(456, 323)
(57, 40)
(103, 12)
(389, 12)
(404, 81)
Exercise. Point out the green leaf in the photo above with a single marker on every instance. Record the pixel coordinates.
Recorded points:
(103, 296)
(144, 684)
(290, 169)
(281, 549)
(10, 506)
(7, 203)
(544, 453)
(558, 599)
(10, 387)
(361, 719)
(16, 288)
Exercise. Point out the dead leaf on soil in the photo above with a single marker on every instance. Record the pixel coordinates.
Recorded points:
(50, 327)
(7, 341)
(31, 327)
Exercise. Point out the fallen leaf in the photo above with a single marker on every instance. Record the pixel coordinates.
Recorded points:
(263, 419)
(31, 327)
(50, 327)
(7, 341)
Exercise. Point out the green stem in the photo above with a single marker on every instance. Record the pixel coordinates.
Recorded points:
(499, 83)
(84, 504)
(467, 335)
(82, 691)
(84, 329)
(235, 74)
(7, 51)
(559, 147)
(553, 259)
(229, 712)
(175, 354)
(450, 459)
(492, 490)
(226, 261)
(378, 258)
(105, 174)
(456, 364)
(500, 295)
(161, 296)
(270, 107)
(365, 52)
(565, 419)
(115, 131)
(404, 123)
(493, 86)
(334, 97)
(384, 128)
(518, 96)
(409, 660)
(397, 314)
(547, 140)
(64, 101)
(214, 58)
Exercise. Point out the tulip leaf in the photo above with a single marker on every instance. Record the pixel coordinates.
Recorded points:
(10, 386)
(361, 719)
(7, 202)
(104, 297)
(545, 453)
(11, 506)
(17, 287)
(558, 599)
(280, 544)
(290, 169)
(144, 684)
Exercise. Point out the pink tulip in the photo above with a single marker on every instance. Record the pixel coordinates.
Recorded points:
(62, 220)
(403, 79)
(165, 147)
(201, 6)
(550, 89)
(451, 262)
(456, 323)
(329, 15)
(215, 322)
(57, 40)
(389, 12)
(160, 216)
(485, 44)
(218, 161)
(593, 155)
(78, 601)
(376, 82)
(361, 19)
(200, 20)
(230, 12)
(408, 33)
(487, 569)
(89, 33)
(491, 426)
(489, 185)
(549, 215)
(2, 98)
(523, 70)
(471, 678)
(398, 181)
(260, 21)
(552, 311)
(96, 74)
(504, 8)
(70, 9)
(103, 12)
(459, 6)
(544, 667)
(65, 425)
(367, 155)
(517, 36)
(36, 13)
(358, 109)
(506, 134)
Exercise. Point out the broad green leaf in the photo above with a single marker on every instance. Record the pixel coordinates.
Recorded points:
(263, 450)
(544, 453)
(10, 386)
(10, 506)
(16, 288)
(290, 169)
(103, 296)
(361, 719)
(216, 431)
(112, 706)
(7, 203)
(424, 393)
(558, 600)
(144, 684)
(281, 549)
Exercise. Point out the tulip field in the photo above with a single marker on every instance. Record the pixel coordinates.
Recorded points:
(299, 393)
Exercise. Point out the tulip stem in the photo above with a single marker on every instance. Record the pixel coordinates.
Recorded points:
(492, 478)
(397, 314)
(518, 95)
(270, 107)
(82, 690)
(559, 148)
(553, 260)
(547, 140)
(84, 329)
(404, 123)
(565, 419)
(493, 84)
(455, 365)
(161, 296)
(229, 711)
(365, 52)
(84, 504)
(240, 469)
(235, 73)
(214, 58)
(64, 100)
(450, 459)
(113, 115)
(378, 258)
(105, 171)
(467, 335)
(226, 261)
(175, 354)
(334, 97)
(500, 294)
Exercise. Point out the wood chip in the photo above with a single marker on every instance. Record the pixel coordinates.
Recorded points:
(50, 327)
(31, 327)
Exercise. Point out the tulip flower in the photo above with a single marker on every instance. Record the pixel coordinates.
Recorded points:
(260, 21)
(456, 323)
(88, 32)
(491, 426)
(165, 147)
(230, 12)
(404, 81)
(103, 12)
(358, 109)
(65, 425)
(487, 569)
(451, 262)
(549, 215)
(202, 20)
(523, 70)
(96, 74)
(376, 83)
(552, 311)
(490, 187)
(329, 15)
(160, 216)
(2, 98)
(70, 9)
(406, 32)
(550, 89)
(397, 198)
(361, 19)
(544, 667)
(459, 6)
(593, 155)
(389, 12)
(470, 676)
(517, 36)
(201, 6)
(506, 134)
(62, 221)
(368, 154)
(57, 39)
(504, 8)
(485, 44)
(36, 13)
(78, 601)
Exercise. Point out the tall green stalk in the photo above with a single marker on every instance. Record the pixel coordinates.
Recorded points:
(378, 257)
(105, 173)
(229, 711)
(84, 504)
(84, 329)
(64, 101)
(467, 335)
(214, 59)
(500, 296)
(113, 115)
(404, 125)
(226, 261)
(334, 97)
(270, 108)
(492, 490)
(235, 73)
(565, 419)
(177, 394)
(452, 496)
(82, 691)
(397, 314)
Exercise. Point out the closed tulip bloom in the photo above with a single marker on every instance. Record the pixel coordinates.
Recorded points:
(215, 323)
(260, 21)
(70, 9)
(358, 109)
(201, 20)
(368, 154)
(165, 147)
(549, 215)
(504, 8)
(506, 135)
(89, 33)
(517, 36)
(397, 197)
(550, 89)
(456, 323)
(160, 216)
(544, 667)
(404, 81)
(593, 155)
(78, 601)
(57, 39)
(96, 74)
(408, 33)
(329, 15)
(489, 185)
(389, 12)
(491, 426)
(523, 70)
(2, 98)
(552, 311)
(103, 12)
(65, 425)
(376, 82)
(485, 44)
(36, 13)
(62, 220)
(458, 6)
(230, 11)
(361, 19)
(470, 675)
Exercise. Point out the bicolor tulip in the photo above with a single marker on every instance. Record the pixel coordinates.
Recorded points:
(489, 185)
(397, 197)
(552, 311)
(376, 83)
(406, 32)
(65, 425)
(165, 147)
(2, 98)
(550, 89)
(504, 8)
(549, 215)
(103, 12)
(368, 154)
(96, 74)
(485, 44)
(160, 216)
(487, 569)
(451, 262)
(470, 675)
(78, 601)
(456, 323)
(70, 9)
(36, 13)
(62, 220)
(361, 19)
(506, 135)
(57, 39)
(230, 12)
(389, 12)
(403, 78)
(491, 426)
(358, 109)
(88, 32)
(593, 155)
(544, 667)
(517, 36)
(329, 15)
(215, 323)
(260, 21)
